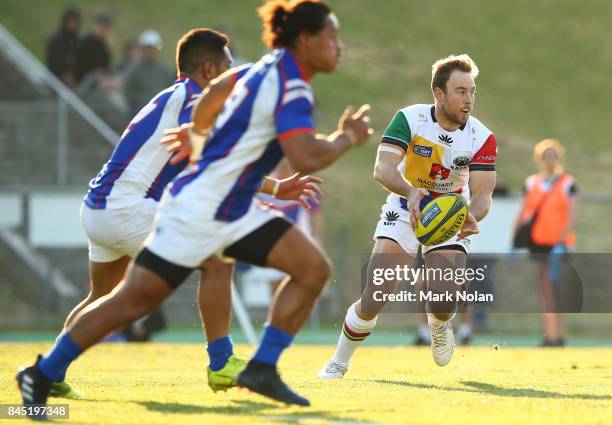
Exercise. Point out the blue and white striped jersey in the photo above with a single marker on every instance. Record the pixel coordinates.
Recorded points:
(271, 102)
(139, 166)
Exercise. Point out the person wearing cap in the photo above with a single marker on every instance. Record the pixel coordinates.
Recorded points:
(149, 75)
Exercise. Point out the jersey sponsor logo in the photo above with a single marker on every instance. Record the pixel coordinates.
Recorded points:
(432, 213)
(446, 139)
(439, 172)
(421, 117)
(422, 150)
(437, 186)
(462, 161)
(390, 218)
(486, 158)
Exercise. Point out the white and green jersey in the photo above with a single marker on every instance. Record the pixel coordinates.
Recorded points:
(438, 160)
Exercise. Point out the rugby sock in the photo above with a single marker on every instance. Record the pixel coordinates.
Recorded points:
(273, 343)
(354, 331)
(55, 363)
(219, 351)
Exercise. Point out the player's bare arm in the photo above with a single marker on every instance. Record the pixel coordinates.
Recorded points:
(212, 100)
(308, 152)
(573, 205)
(481, 184)
(190, 138)
(386, 173)
(388, 158)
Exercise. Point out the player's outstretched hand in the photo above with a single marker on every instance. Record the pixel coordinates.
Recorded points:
(303, 189)
(470, 227)
(184, 143)
(356, 123)
(178, 142)
(414, 203)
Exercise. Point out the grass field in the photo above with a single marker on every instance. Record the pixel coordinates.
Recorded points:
(165, 384)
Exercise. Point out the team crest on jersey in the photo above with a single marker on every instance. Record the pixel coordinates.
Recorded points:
(422, 150)
(421, 117)
(462, 161)
(438, 171)
(446, 139)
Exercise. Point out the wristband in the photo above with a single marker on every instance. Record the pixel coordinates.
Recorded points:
(275, 188)
(197, 143)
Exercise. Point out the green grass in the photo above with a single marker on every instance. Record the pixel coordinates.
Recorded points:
(543, 74)
(165, 384)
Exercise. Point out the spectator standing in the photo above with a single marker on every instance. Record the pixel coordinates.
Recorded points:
(62, 47)
(545, 226)
(94, 54)
(131, 56)
(149, 75)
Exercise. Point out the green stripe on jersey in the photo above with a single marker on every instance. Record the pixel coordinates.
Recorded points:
(398, 129)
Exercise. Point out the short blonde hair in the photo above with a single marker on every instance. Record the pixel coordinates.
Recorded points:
(544, 145)
(443, 68)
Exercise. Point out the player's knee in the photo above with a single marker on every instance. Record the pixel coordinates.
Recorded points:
(319, 271)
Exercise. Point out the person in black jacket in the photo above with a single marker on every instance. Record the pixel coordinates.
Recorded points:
(94, 52)
(62, 47)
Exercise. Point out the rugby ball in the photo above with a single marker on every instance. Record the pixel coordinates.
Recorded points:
(441, 219)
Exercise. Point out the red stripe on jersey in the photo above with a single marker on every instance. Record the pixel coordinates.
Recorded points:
(293, 132)
(487, 152)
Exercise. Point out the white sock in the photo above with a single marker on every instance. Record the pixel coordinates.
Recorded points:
(354, 331)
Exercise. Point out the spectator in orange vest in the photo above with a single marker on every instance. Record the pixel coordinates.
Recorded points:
(549, 202)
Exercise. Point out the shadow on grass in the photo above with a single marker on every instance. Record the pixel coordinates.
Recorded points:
(484, 388)
(238, 407)
(248, 408)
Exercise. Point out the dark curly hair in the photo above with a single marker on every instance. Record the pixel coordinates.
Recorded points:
(284, 21)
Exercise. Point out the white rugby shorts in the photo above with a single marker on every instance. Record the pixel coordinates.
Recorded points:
(114, 233)
(186, 233)
(394, 224)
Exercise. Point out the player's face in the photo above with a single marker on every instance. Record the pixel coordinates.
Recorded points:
(549, 160)
(324, 48)
(458, 101)
(226, 62)
(216, 68)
